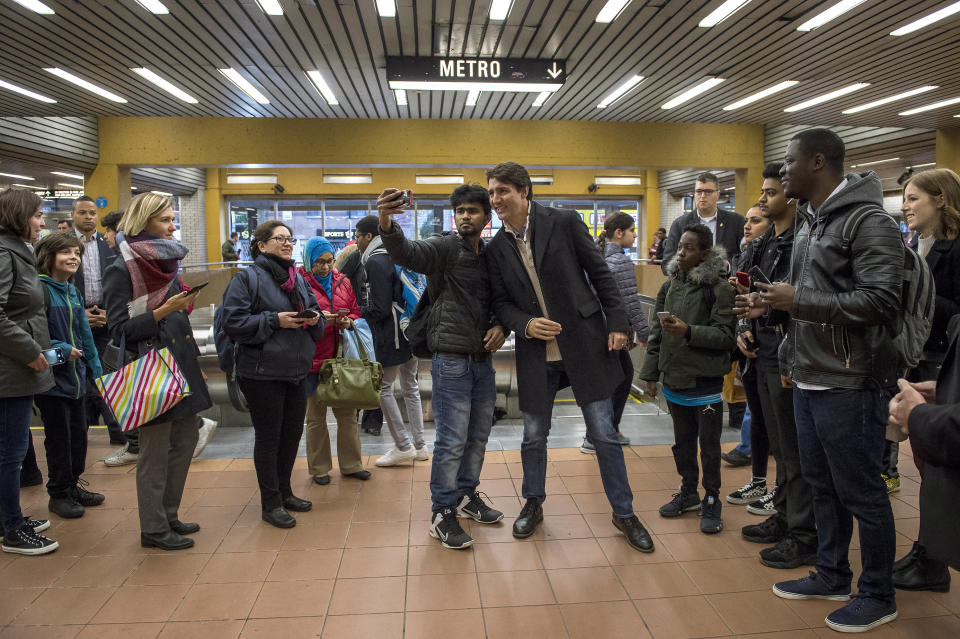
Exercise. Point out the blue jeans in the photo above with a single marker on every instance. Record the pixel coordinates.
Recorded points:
(598, 417)
(840, 434)
(464, 395)
(14, 436)
(744, 446)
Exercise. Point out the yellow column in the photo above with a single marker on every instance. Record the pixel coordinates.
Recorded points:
(651, 203)
(111, 182)
(216, 225)
(747, 184)
(948, 149)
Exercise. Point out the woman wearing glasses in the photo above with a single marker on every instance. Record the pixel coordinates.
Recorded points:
(272, 315)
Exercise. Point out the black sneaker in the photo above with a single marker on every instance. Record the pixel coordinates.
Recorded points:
(763, 506)
(26, 541)
(788, 553)
(84, 497)
(682, 502)
(38, 525)
(710, 521)
(752, 491)
(862, 614)
(477, 510)
(445, 527)
(66, 507)
(737, 458)
(769, 531)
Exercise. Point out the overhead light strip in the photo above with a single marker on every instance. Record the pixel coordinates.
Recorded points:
(472, 98)
(72, 176)
(722, 12)
(386, 8)
(154, 6)
(833, 12)
(926, 21)
(827, 97)
(611, 10)
(30, 186)
(762, 94)
(17, 177)
(499, 9)
(167, 86)
(692, 92)
(244, 85)
(271, 7)
(325, 91)
(892, 98)
(35, 6)
(856, 166)
(617, 180)
(347, 179)
(26, 92)
(930, 107)
(89, 86)
(78, 187)
(401, 97)
(439, 179)
(508, 87)
(914, 166)
(542, 97)
(620, 91)
(542, 179)
(249, 178)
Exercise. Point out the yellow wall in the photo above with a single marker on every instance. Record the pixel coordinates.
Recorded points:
(948, 148)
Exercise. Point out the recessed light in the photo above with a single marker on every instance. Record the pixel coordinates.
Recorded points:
(29, 94)
(401, 97)
(439, 179)
(17, 177)
(29, 186)
(541, 179)
(323, 87)
(89, 86)
(722, 12)
(611, 10)
(620, 91)
(915, 166)
(472, 98)
(165, 85)
(154, 6)
(163, 193)
(244, 85)
(271, 7)
(826, 16)
(856, 166)
(247, 178)
(347, 179)
(35, 5)
(692, 92)
(762, 94)
(499, 9)
(892, 98)
(540, 99)
(72, 176)
(617, 180)
(386, 8)
(930, 107)
(936, 16)
(826, 97)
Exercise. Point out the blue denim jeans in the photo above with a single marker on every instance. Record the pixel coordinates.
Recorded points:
(840, 433)
(14, 435)
(598, 417)
(744, 445)
(464, 395)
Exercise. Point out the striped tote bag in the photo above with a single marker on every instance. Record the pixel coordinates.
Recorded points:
(143, 389)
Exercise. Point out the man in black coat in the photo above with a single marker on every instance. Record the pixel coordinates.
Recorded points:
(550, 285)
(727, 226)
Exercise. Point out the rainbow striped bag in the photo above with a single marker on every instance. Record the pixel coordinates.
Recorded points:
(143, 389)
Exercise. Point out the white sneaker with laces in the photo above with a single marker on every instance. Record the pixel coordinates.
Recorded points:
(207, 427)
(422, 453)
(395, 457)
(120, 457)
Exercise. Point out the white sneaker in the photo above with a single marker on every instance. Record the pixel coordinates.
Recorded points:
(206, 430)
(422, 453)
(120, 457)
(396, 456)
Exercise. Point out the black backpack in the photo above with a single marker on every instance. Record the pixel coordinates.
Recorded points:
(226, 347)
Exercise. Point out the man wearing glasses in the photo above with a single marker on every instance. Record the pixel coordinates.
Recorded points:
(726, 226)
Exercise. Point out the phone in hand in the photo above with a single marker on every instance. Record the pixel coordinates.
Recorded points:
(743, 279)
(53, 356)
(664, 315)
(343, 312)
(749, 343)
(406, 197)
(306, 314)
(758, 275)
(194, 289)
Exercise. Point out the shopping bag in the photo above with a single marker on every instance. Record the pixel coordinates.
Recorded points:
(361, 332)
(349, 383)
(144, 388)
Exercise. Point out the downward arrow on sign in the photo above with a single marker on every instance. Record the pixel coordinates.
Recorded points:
(554, 71)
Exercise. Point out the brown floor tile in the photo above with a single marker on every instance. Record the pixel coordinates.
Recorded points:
(382, 626)
(329, 513)
(919, 604)
(728, 575)
(488, 534)
(378, 534)
(40, 632)
(119, 543)
(365, 596)
(442, 592)
(226, 496)
(77, 543)
(694, 546)
(436, 624)
(373, 562)
(929, 628)
(289, 628)
(231, 567)
(608, 619)
(166, 569)
(36, 572)
(128, 603)
(786, 634)
(235, 479)
(214, 515)
(293, 599)
(13, 601)
(393, 510)
(437, 560)
(591, 503)
(656, 580)
(601, 525)
(529, 622)
(319, 537)
(571, 553)
(689, 523)
(562, 527)
(620, 553)
(96, 571)
(750, 612)
(506, 556)
(681, 618)
(58, 606)
(121, 631)
(517, 588)
(210, 602)
(579, 585)
(202, 629)
(299, 565)
(583, 484)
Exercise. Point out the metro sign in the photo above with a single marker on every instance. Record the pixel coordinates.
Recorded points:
(475, 74)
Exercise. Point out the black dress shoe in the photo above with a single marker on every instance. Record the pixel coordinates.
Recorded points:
(323, 480)
(363, 475)
(168, 541)
(66, 507)
(925, 573)
(637, 536)
(279, 517)
(181, 528)
(527, 520)
(296, 504)
(907, 560)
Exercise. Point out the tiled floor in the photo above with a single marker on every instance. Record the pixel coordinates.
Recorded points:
(361, 564)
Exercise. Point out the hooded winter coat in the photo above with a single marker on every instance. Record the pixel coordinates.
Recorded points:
(687, 295)
(69, 329)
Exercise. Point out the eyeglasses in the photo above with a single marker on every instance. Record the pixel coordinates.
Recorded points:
(284, 239)
(320, 260)
(704, 191)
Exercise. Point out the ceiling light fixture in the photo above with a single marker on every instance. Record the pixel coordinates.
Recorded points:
(620, 91)
(762, 94)
(271, 7)
(499, 9)
(826, 16)
(826, 97)
(78, 187)
(35, 6)
(386, 8)
(916, 166)
(542, 179)
(248, 178)
(323, 87)
(930, 107)
(17, 177)
(80, 82)
(507, 87)
(611, 10)
(347, 179)
(472, 97)
(692, 92)
(154, 6)
(401, 97)
(617, 180)
(29, 94)
(167, 86)
(29, 186)
(244, 85)
(72, 176)
(936, 16)
(722, 12)
(163, 193)
(892, 98)
(542, 97)
(856, 166)
(439, 179)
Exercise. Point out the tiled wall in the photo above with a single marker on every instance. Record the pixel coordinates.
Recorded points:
(193, 227)
(671, 208)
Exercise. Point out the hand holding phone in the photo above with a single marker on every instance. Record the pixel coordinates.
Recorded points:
(664, 316)
(758, 275)
(743, 279)
(305, 314)
(406, 198)
(343, 312)
(53, 356)
(195, 289)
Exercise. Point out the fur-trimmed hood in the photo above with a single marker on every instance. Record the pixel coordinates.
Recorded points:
(710, 271)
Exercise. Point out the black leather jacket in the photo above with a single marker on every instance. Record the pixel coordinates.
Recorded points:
(847, 303)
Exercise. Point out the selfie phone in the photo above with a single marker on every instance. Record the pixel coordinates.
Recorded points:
(758, 275)
(664, 315)
(406, 197)
(194, 289)
(305, 315)
(743, 279)
(53, 356)
(343, 312)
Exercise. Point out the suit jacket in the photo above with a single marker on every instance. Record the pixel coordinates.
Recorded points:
(107, 256)
(580, 294)
(729, 234)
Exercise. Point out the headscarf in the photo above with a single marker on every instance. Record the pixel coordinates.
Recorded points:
(317, 246)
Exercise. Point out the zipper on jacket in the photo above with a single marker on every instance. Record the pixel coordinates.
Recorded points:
(74, 362)
(845, 345)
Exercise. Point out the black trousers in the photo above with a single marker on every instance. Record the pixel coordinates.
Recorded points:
(690, 425)
(65, 431)
(277, 409)
(794, 499)
(622, 392)
(95, 405)
(759, 442)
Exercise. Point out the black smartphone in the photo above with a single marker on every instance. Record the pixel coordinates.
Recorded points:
(305, 315)
(406, 197)
(53, 356)
(194, 289)
(757, 275)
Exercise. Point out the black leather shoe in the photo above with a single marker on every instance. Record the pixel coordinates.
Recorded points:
(362, 475)
(323, 480)
(907, 560)
(527, 520)
(925, 573)
(31, 479)
(168, 541)
(279, 517)
(296, 504)
(181, 528)
(66, 507)
(637, 536)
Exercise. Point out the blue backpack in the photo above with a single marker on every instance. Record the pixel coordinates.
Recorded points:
(414, 284)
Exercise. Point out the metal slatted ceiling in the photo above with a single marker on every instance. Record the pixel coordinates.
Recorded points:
(348, 42)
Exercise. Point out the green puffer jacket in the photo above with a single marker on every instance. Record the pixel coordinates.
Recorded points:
(712, 328)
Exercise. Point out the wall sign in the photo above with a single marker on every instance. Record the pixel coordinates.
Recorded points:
(102, 202)
(475, 74)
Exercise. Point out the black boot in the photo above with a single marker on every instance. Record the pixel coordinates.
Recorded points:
(907, 560)
(925, 573)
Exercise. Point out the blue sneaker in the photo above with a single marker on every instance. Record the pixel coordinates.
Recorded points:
(862, 614)
(809, 588)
